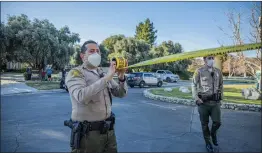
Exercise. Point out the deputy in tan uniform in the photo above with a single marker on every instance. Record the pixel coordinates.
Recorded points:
(91, 93)
(207, 90)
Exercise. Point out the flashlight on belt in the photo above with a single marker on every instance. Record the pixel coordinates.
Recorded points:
(121, 62)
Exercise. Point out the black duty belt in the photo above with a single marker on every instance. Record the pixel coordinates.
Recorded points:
(96, 126)
(102, 126)
(78, 129)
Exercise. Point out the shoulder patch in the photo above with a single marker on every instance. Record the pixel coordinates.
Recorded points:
(75, 73)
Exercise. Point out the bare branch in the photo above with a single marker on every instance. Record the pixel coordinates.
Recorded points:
(257, 66)
(251, 70)
(220, 28)
(220, 43)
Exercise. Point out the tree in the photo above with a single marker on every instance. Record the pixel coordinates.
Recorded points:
(168, 48)
(195, 64)
(256, 35)
(104, 55)
(156, 52)
(236, 35)
(253, 64)
(179, 66)
(4, 44)
(76, 55)
(146, 31)
(132, 49)
(109, 42)
(37, 42)
(9, 43)
(240, 64)
(254, 23)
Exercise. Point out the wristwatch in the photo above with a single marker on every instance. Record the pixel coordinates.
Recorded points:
(123, 79)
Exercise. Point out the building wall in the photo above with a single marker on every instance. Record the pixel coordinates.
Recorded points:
(13, 66)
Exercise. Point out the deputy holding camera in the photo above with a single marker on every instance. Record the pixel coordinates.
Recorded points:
(92, 121)
(207, 90)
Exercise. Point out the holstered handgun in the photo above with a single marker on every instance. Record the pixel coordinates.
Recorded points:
(76, 133)
(113, 120)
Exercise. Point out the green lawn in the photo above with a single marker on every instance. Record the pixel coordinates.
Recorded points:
(44, 85)
(232, 93)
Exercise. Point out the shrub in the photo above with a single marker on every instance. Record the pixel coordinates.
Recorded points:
(25, 76)
(184, 75)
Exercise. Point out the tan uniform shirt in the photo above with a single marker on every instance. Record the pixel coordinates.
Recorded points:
(89, 94)
(203, 82)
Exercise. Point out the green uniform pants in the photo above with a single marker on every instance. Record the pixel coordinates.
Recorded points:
(94, 142)
(205, 110)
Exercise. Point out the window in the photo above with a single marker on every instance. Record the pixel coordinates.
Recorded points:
(151, 75)
(161, 72)
(136, 74)
(169, 72)
(146, 75)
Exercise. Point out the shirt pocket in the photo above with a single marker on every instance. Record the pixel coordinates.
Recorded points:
(204, 81)
(98, 97)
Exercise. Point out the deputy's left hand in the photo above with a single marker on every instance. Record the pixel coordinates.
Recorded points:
(121, 73)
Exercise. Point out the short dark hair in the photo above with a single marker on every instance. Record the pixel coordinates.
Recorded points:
(207, 56)
(84, 47)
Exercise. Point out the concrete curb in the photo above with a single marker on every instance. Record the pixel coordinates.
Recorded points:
(36, 92)
(190, 102)
(53, 90)
(17, 93)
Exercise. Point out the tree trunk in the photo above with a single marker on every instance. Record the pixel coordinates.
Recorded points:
(245, 72)
(260, 83)
(260, 28)
(229, 66)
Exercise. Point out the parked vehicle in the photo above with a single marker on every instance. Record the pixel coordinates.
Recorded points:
(142, 79)
(167, 76)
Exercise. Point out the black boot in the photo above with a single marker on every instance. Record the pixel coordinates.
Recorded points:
(215, 127)
(214, 139)
(209, 147)
(216, 147)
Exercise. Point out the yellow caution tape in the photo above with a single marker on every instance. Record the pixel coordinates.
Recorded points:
(121, 62)
(199, 53)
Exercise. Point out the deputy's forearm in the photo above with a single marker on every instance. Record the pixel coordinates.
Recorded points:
(194, 92)
(119, 90)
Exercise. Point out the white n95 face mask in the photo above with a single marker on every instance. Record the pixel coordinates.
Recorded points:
(210, 63)
(94, 59)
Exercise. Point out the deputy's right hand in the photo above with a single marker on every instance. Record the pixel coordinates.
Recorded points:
(111, 71)
(199, 101)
